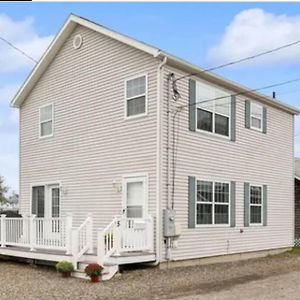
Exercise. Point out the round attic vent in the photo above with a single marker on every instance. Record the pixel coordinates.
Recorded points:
(77, 41)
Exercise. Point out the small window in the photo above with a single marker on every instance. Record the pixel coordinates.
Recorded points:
(256, 116)
(136, 98)
(46, 120)
(212, 203)
(256, 204)
(213, 115)
(55, 202)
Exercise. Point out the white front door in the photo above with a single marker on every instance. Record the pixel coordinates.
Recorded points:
(135, 196)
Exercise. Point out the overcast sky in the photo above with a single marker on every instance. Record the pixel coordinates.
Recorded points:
(206, 34)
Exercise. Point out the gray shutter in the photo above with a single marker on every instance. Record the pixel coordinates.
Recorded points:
(192, 105)
(34, 200)
(232, 204)
(233, 118)
(265, 205)
(192, 202)
(246, 203)
(264, 128)
(247, 113)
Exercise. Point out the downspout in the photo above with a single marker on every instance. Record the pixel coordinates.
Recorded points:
(159, 152)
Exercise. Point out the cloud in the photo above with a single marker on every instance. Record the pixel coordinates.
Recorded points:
(23, 35)
(253, 31)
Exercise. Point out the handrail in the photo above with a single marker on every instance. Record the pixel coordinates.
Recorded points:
(82, 240)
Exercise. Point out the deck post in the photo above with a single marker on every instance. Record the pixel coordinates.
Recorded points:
(3, 230)
(74, 243)
(32, 232)
(118, 234)
(100, 246)
(90, 234)
(69, 221)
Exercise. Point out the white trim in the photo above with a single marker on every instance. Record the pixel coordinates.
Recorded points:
(260, 205)
(142, 177)
(213, 225)
(297, 177)
(45, 185)
(212, 110)
(255, 117)
(45, 121)
(136, 96)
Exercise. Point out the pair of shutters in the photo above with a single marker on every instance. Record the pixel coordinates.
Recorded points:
(193, 112)
(248, 116)
(192, 195)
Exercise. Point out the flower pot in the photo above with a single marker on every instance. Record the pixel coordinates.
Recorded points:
(95, 279)
(66, 274)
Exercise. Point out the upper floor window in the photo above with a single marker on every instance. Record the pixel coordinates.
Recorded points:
(256, 204)
(213, 201)
(46, 120)
(213, 115)
(136, 96)
(256, 116)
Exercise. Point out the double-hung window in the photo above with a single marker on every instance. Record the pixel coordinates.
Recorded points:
(213, 110)
(256, 116)
(256, 205)
(136, 96)
(212, 205)
(46, 120)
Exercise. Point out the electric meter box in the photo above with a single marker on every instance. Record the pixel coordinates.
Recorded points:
(171, 228)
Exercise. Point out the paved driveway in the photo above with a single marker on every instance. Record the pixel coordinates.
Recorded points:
(285, 286)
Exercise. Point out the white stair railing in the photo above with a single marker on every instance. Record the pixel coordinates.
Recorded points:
(82, 240)
(125, 235)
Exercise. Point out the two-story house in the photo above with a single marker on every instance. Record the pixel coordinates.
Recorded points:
(129, 154)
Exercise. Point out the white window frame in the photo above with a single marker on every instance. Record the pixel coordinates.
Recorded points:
(141, 95)
(260, 205)
(252, 116)
(40, 122)
(48, 202)
(213, 204)
(213, 111)
(135, 177)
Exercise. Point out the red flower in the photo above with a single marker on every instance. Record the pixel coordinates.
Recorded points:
(93, 270)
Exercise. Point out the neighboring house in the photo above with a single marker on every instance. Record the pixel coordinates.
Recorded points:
(297, 201)
(101, 157)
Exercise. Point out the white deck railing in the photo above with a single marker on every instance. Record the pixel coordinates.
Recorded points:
(43, 233)
(125, 235)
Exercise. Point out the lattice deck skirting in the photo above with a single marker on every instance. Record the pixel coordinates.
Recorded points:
(297, 242)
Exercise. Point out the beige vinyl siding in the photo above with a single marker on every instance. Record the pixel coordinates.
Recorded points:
(254, 157)
(92, 144)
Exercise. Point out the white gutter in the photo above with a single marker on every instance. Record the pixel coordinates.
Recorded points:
(159, 152)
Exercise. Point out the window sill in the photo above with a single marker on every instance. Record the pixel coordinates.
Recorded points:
(214, 135)
(139, 116)
(256, 129)
(46, 136)
(213, 226)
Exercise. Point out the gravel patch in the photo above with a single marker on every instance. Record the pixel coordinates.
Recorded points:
(23, 281)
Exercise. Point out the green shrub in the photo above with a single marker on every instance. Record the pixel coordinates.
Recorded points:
(64, 267)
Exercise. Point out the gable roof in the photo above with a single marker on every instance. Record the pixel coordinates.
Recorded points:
(172, 60)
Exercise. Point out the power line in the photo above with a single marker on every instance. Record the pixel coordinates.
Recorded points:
(18, 49)
(240, 60)
(242, 93)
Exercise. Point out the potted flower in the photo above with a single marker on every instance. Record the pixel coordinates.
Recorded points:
(93, 271)
(65, 268)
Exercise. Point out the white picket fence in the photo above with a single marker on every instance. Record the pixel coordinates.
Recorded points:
(125, 235)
